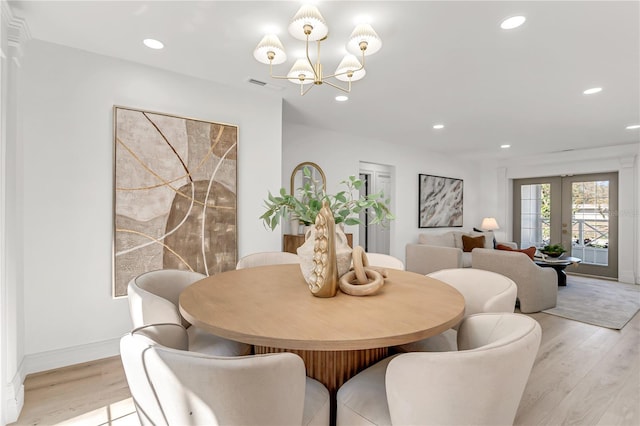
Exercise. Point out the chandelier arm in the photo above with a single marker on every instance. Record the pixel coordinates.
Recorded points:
(305, 92)
(347, 72)
(278, 77)
(347, 90)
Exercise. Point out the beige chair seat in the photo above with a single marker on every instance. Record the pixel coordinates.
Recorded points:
(481, 384)
(483, 291)
(173, 386)
(153, 299)
(267, 258)
(385, 261)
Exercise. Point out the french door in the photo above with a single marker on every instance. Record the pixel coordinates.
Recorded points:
(579, 212)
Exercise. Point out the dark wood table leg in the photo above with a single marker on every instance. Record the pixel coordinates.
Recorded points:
(562, 275)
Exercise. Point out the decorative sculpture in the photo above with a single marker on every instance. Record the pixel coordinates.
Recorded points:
(321, 272)
(363, 279)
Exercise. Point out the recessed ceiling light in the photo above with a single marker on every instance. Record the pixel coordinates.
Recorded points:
(592, 90)
(438, 126)
(633, 126)
(153, 44)
(505, 146)
(512, 22)
(342, 98)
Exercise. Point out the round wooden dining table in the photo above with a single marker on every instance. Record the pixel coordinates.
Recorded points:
(272, 308)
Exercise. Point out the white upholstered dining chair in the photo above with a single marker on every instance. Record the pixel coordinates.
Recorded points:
(154, 297)
(173, 386)
(267, 258)
(483, 291)
(385, 261)
(481, 384)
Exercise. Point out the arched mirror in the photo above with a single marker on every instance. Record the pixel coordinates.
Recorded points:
(298, 177)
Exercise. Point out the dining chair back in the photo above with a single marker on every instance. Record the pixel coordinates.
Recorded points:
(267, 258)
(385, 261)
(480, 384)
(483, 291)
(172, 386)
(154, 298)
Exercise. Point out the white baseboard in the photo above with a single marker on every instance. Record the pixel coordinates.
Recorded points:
(43, 361)
(628, 277)
(15, 397)
(64, 357)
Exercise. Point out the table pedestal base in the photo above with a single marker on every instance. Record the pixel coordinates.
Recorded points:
(333, 368)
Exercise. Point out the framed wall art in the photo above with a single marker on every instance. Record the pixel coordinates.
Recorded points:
(174, 195)
(439, 201)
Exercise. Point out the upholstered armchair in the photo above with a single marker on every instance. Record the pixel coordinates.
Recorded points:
(537, 287)
(173, 386)
(154, 298)
(384, 261)
(480, 384)
(267, 258)
(483, 291)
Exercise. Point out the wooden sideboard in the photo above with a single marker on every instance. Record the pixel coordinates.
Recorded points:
(291, 242)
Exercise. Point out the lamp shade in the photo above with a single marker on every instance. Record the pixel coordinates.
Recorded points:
(270, 43)
(364, 32)
(350, 63)
(308, 15)
(301, 68)
(489, 224)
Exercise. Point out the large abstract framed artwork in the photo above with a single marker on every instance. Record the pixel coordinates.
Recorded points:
(439, 201)
(175, 195)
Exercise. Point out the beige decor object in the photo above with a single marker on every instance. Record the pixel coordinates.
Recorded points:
(325, 255)
(363, 280)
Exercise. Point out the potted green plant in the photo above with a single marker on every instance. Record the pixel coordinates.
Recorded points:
(305, 204)
(553, 250)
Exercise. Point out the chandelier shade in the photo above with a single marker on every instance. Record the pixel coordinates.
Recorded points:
(270, 44)
(309, 26)
(308, 16)
(350, 64)
(364, 33)
(301, 72)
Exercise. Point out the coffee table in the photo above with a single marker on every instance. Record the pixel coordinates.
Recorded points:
(559, 264)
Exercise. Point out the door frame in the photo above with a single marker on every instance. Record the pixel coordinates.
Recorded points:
(561, 196)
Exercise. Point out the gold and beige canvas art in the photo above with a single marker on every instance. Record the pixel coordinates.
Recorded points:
(175, 195)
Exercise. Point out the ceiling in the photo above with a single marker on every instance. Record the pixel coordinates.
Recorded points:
(440, 62)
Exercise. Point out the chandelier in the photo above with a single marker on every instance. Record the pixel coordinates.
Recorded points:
(308, 25)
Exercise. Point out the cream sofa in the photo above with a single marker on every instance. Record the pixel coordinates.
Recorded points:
(434, 252)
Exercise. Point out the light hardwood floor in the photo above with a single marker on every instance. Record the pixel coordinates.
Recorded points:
(583, 375)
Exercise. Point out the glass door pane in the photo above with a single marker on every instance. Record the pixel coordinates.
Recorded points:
(535, 214)
(593, 232)
(534, 203)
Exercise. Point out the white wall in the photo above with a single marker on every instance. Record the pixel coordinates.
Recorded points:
(339, 156)
(13, 34)
(67, 102)
(622, 159)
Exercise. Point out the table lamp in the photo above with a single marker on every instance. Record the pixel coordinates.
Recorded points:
(489, 224)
